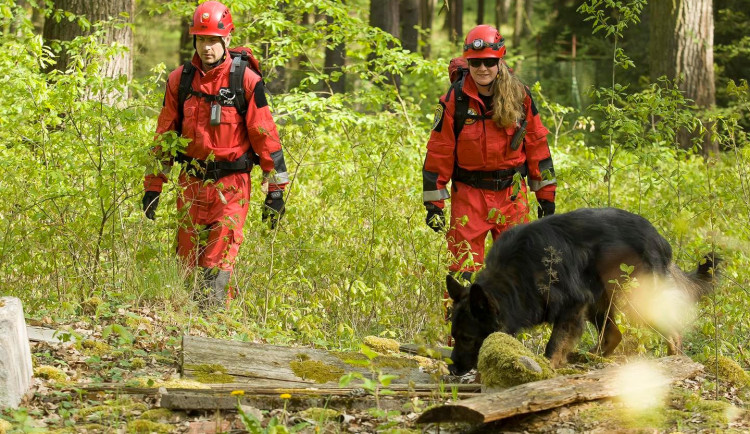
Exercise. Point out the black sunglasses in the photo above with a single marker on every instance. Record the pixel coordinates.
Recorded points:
(488, 62)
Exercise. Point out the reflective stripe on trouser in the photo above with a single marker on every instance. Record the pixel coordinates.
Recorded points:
(475, 213)
(212, 217)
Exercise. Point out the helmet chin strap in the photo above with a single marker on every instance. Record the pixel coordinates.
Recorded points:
(490, 83)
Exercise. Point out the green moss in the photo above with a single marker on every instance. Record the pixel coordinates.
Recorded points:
(382, 345)
(50, 373)
(314, 370)
(684, 409)
(394, 362)
(318, 414)
(175, 383)
(715, 413)
(157, 414)
(728, 370)
(501, 362)
(210, 373)
(112, 408)
(90, 306)
(147, 426)
(350, 357)
(379, 362)
(137, 363)
(567, 370)
(89, 427)
(302, 357)
(92, 347)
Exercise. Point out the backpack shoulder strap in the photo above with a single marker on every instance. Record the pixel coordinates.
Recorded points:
(240, 61)
(461, 111)
(236, 79)
(186, 82)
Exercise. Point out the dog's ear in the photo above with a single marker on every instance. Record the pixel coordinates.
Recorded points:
(483, 306)
(455, 289)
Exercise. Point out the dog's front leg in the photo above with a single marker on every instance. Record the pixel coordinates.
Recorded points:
(566, 331)
(609, 334)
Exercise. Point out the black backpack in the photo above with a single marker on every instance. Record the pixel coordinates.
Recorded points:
(241, 58)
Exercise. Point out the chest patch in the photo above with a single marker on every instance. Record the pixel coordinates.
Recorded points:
(469, 119)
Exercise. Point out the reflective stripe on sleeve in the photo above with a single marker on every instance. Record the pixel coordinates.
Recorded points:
(536, 185)
(279, 178)
(435, 195)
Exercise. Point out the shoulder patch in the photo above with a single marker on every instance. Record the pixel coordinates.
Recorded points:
(437, 122)
(260, 95)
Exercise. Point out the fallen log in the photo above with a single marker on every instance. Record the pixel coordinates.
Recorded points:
(208, 360)
(555, 392)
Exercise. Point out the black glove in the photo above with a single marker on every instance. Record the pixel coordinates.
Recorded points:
(545, 208)
(150, 202)
(435, 218)
(273, 207)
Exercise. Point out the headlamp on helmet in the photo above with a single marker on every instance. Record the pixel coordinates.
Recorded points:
(484, 41)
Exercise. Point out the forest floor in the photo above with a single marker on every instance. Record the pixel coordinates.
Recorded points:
(148, 347)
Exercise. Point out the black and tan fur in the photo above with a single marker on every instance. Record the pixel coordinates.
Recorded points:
(564, 270)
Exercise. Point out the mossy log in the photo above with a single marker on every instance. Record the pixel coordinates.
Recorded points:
(552, 393)
(223, 361)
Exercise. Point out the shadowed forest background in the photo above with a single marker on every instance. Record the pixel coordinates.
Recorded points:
(647, 110)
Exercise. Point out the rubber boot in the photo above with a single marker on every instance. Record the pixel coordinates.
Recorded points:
(215, 283)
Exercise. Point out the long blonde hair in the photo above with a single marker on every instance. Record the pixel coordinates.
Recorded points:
(509, 94)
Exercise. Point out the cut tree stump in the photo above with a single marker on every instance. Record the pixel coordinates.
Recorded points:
(15, 354)
(263, 365)
(552, 393)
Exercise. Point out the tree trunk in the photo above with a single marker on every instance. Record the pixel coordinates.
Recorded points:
(502, 8)
(427, 9)
(410, 19)
(334, 62)
(480, 12)
(454, 20)
(458, 19)
(94, 11)
(518, 23)
(186, 39)
(384, 14)
(681, 46)
(529, 13)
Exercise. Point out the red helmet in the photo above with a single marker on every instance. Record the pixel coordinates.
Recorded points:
(213, 19)
(484, 41)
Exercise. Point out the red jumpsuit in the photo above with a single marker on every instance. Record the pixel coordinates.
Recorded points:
(212, 214)
(483, 146)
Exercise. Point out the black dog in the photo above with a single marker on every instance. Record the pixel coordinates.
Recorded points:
(565, 269)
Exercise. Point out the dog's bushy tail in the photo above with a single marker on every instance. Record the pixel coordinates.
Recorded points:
(705, 277)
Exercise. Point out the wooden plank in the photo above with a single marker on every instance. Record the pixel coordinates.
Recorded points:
(269, 365)
(555, 392)
(199, 402)
(48, 335)
(463, 390)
